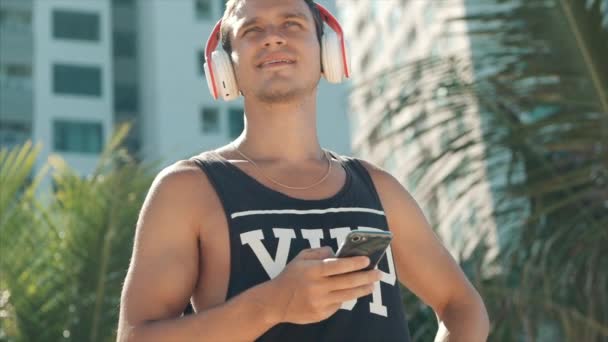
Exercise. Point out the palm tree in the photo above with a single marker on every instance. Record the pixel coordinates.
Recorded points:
(63, 258)
(527, 119)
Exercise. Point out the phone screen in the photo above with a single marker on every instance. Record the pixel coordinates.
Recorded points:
(372, 244)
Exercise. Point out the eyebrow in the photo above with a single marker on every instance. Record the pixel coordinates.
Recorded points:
(286, 15)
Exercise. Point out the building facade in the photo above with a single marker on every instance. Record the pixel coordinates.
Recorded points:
(398, 50)
(70, 71)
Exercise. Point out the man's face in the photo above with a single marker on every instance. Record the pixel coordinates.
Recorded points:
(275, 50)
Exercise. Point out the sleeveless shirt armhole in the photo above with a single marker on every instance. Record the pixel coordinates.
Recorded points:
(362, 170)
(207, 167)
(203, 165)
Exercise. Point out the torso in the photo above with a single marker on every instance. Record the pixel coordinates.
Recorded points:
(214, 246)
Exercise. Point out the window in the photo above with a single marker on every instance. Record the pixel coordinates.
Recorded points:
(126, 3)
(203, 9)
(125, 98)
(236, 122)
(76, 80)
(16, 76)
(17, 70)
(123, 44)
(14, 133)
(210, 120)
(79, 137)
(75, 25)
(15, 20)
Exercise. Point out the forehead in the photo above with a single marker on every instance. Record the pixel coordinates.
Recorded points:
(253, 10)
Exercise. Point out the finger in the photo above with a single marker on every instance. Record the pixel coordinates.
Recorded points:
(353, 279)
(316, 253)
(333, 266)
(342, 296)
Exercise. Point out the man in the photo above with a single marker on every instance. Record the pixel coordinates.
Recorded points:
(247, 232)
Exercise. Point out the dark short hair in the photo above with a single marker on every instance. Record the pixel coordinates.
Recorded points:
(231, 7)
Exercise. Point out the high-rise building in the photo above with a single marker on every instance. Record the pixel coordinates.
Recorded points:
(16, 65)
(71, 70)
(390, 41)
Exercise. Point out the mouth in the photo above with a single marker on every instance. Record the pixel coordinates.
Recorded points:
(273, 63)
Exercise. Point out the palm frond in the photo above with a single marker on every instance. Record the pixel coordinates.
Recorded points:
(64, 272)
(530, 133)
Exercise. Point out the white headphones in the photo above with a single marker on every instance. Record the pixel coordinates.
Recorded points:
(222, 81)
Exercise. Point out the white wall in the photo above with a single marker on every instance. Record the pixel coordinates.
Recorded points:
(385, 38)
(47, 51)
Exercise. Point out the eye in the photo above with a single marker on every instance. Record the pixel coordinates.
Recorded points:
(252, 29)
(290, 23)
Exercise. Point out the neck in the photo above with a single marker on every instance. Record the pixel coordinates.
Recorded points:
(281, 132)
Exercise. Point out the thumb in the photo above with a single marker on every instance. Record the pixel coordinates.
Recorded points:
(316, 253)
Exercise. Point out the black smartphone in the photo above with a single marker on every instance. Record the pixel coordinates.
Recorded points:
(370, 243)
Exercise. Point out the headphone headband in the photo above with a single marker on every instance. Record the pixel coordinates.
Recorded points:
(212, 43)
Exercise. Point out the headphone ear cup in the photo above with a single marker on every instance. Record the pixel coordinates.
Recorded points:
(224, 76)
(331, 57)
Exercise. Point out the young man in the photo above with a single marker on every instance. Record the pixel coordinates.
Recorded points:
(247, 232)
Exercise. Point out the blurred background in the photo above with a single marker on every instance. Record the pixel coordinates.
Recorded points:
(492, 113)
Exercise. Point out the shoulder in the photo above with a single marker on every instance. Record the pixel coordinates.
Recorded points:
(185, 172)
(181, 186)
(383, 179)
(180, 174)
(395, 198)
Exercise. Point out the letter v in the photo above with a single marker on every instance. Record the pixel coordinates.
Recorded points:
(272, 266)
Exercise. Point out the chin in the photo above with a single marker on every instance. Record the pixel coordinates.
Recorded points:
(282, 92)
(279, 96)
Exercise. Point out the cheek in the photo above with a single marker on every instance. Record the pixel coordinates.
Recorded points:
(238, 61)
(315, 55)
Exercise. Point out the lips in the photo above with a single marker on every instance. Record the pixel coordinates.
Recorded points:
(275, 60)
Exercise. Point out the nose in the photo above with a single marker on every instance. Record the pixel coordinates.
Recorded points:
(273, 36)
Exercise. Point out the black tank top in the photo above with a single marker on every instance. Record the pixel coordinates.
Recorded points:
(268, 228)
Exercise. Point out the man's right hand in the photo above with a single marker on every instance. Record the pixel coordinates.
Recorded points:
(313, 286)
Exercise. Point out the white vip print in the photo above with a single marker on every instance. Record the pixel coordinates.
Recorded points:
(313, 236)
(274, 266)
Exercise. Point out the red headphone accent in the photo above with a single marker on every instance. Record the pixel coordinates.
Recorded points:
(212, 42)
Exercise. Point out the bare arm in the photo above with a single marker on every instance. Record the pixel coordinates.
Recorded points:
(164, 271)
(426, 267)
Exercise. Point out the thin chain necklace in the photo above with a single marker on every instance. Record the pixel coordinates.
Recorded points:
(287, 186)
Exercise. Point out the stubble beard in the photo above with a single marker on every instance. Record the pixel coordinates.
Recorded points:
(283, 94)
